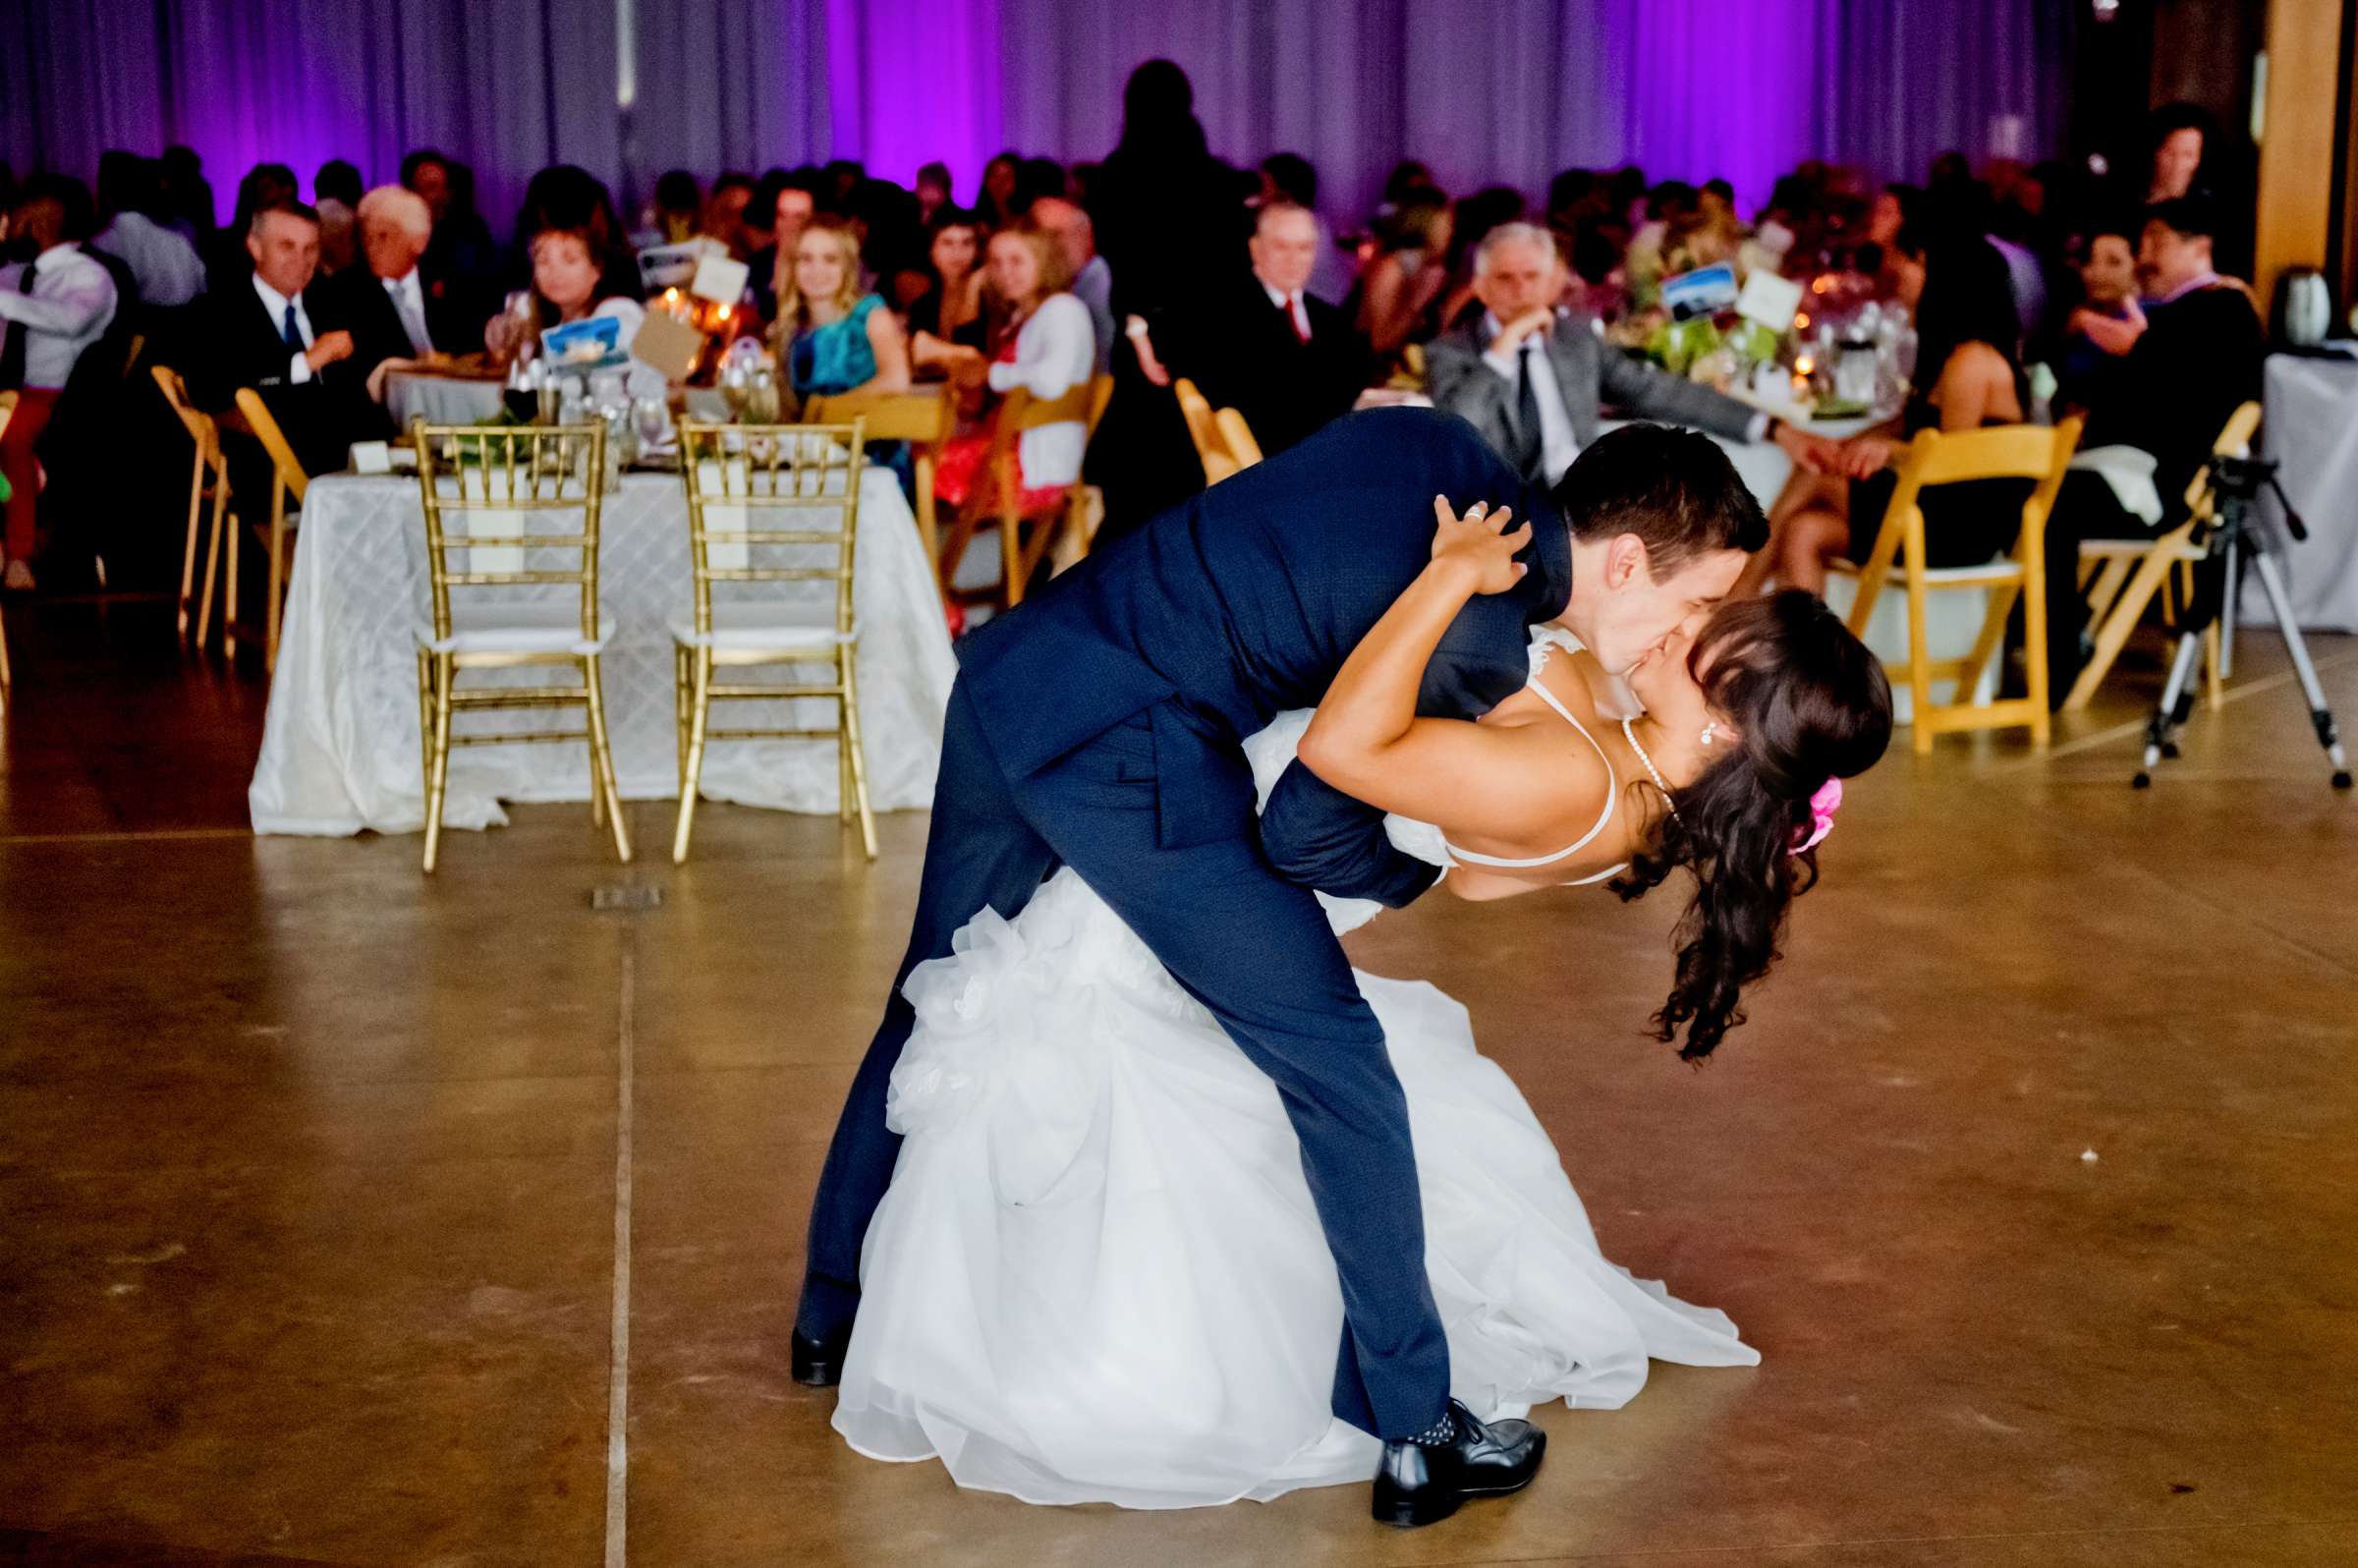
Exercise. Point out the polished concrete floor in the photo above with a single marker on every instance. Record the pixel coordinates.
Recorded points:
(2033, 1178)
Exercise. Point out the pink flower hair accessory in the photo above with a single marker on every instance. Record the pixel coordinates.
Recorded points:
(1823, 805)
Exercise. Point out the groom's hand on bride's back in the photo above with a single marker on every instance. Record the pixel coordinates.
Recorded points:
(1478, 544)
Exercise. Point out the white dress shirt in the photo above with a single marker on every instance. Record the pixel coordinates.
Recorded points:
(1056, 350)
(166, 265)
(69, 308)
(1558, 446)
(1291, 305)
(408, 294)
(300, 369)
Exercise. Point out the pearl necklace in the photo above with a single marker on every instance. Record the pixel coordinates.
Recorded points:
(1630, 735)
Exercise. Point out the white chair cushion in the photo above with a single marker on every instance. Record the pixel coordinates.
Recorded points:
(551, 626)
(766, 629)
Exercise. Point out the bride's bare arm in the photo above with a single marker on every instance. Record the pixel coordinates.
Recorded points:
(1486, 782)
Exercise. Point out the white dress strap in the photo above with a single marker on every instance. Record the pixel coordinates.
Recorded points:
(1611, 792)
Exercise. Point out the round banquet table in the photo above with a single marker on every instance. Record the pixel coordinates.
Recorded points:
(441, 398)
(2310, 428)
(340, 742)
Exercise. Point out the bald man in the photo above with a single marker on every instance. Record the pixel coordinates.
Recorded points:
(1268, 348)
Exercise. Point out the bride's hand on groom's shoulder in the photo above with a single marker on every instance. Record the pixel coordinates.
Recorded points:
(1477, 546)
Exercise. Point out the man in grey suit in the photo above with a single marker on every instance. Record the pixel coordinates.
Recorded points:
(1531, 381)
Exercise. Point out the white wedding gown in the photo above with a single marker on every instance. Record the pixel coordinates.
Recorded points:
(1097, 1275)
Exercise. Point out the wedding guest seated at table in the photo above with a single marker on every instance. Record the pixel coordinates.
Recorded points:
(1405, 275)
(575, 202)
(1969, 375)
(461, 255)
(285, 334)
(2198, 359)
(227, 261)
(52, 310)
(733, 194)
(830, 337)
(2106, 324)
(161, 260)
(1044, 346)
(679, 206)
(1534, 379)
(571, 282)
(945, 322)
(336, 198)
(795, 204)
(1062, 220)
(403, 309)
(1283, 358)
(932, 191)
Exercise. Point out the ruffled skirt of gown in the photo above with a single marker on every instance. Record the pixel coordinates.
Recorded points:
(1097, 1275)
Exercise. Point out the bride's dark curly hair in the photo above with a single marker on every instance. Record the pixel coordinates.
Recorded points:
(1809, 703)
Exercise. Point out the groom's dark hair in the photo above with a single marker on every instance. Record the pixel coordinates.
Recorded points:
(1675, 489)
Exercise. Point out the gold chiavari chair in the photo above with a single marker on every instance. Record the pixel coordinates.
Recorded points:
(2012, 451)
(209, 487)
(544, 477)
(924, 419)
(8, 412)
(287, 479)
(2122, 576)
(804, 479)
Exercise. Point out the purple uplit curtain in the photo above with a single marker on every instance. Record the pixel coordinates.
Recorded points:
(1485, 91)
(726, 84)
(506, 89)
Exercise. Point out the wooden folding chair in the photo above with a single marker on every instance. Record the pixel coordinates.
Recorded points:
(208, 488)
(996, 500)
(287, 478)
(1237, 436)
(2120, 577)
(2011, 452)
(1203, 429)
(922, 418)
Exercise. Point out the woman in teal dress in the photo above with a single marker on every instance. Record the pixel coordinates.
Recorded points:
(829, 337)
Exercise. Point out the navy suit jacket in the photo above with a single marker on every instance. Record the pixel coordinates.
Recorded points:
(1244, 601)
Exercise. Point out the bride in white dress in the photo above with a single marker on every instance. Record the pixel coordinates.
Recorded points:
(1099, 1276)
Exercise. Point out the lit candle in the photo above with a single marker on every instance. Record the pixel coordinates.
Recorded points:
(1801, 321)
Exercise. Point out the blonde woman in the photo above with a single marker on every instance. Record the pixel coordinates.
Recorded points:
(833, 338)
(1046, 343)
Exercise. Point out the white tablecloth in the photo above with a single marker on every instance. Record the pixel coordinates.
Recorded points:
(442, 399)
(2312, 429)
(340, 742)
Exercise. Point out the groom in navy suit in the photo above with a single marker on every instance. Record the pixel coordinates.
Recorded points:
(1100, 726)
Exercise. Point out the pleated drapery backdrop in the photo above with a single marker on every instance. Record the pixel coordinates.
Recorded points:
(1485, 91)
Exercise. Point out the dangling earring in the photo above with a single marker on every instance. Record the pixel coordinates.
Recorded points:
(1709, 729)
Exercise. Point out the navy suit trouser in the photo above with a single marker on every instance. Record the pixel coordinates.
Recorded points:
(1255, 950)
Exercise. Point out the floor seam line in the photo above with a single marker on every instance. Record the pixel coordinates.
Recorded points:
(618, 1395)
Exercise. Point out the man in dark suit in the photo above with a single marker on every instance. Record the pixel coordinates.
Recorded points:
(1278, 354)
(1102, 726)
(1532, 380)
(397, 308)
(2198, 359)
(290, 339)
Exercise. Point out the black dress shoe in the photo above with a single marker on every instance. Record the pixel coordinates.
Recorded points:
(818, 1359)
(1419, 1484)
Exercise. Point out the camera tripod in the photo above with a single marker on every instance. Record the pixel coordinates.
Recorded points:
(2235, 483)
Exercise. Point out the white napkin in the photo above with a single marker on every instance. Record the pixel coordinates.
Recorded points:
(2129, 471)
